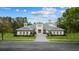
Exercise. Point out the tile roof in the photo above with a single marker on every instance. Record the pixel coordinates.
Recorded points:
(30, 27)
(46, 26)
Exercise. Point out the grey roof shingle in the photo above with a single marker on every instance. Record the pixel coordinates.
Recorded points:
(48, 27)
(30, 27)
(45, 26)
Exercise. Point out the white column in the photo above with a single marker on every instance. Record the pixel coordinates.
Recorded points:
(28, 32)
(58, 32)
(21, 32)
(18, 33)
(55, 32)
(62, 33)
(46, 31)
(25, 32)
(52, 32)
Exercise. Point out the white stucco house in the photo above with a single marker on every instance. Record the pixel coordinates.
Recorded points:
(43, 28)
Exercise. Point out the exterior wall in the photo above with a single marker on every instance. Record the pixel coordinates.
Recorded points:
(18, 32)
(39, 26)
(23, 32)
(29, 32)
(57, 32)
(62, 33)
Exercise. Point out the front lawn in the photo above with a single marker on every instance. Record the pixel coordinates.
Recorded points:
(71, 37)
(11, 37)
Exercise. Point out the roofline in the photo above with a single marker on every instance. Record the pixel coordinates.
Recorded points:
(25, 29)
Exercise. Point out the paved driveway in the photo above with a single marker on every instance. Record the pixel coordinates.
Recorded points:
(37, 46)
(41, 38)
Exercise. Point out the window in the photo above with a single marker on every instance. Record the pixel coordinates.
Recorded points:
(59, 32)
(55, 32)
(23, 33)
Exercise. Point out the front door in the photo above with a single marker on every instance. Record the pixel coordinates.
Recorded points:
(39, 30)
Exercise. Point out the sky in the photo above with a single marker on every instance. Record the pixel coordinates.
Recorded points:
(34, 14)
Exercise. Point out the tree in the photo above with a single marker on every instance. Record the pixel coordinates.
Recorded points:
(11, 24)
(2, 31)
(20, 21)
(70, 20)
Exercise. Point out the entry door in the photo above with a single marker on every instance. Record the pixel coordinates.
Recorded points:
(39, 30)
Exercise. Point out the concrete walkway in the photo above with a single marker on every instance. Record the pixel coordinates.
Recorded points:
(41, 38)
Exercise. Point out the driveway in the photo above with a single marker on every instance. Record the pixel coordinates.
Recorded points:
(37, 46)
(41, 38)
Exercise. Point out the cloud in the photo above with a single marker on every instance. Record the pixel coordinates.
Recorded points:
(62, 11)
(45, 14)
(41, 19)
(24, 10)
(48, 13)
(50, 10)
(62, 7)
(18, 10)
(45, 11)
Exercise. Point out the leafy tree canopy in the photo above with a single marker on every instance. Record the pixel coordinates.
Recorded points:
(70, 20)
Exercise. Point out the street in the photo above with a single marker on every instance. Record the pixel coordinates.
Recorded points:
(37, 46)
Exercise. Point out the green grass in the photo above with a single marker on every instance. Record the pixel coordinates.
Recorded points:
(11, 37)
(0, 36)
(71, 37)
